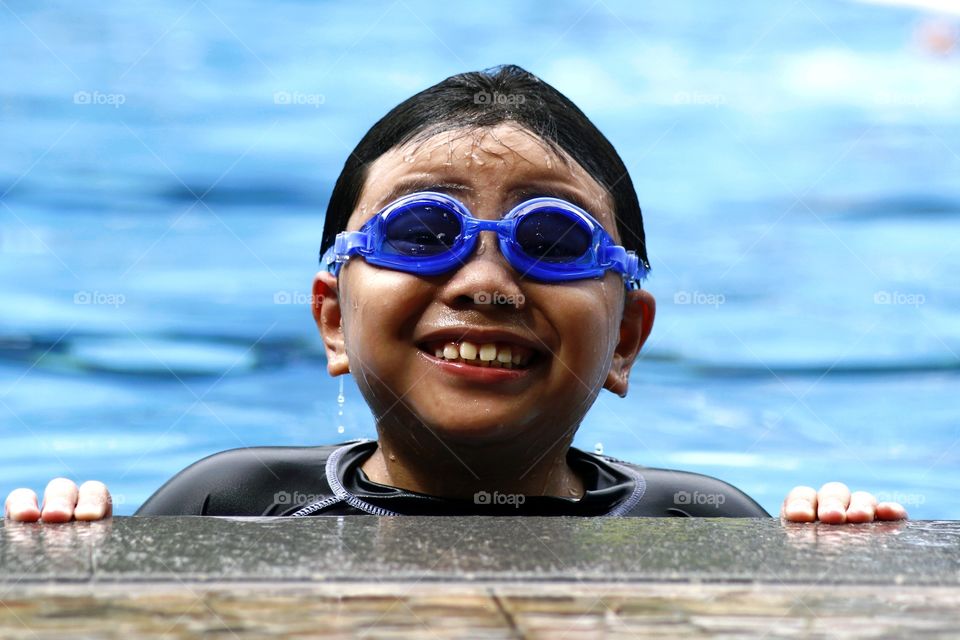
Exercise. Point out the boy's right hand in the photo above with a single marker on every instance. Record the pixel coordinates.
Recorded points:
(62, 501)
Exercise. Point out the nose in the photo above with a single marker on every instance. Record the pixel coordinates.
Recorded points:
(485, 280)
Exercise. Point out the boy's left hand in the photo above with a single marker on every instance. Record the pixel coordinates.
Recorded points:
(834, 504)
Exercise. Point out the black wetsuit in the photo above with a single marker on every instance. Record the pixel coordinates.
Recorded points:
(287, 481)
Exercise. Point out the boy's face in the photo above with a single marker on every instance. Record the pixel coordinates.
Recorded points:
(578, 335)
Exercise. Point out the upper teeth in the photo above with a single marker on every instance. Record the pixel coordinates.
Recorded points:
(490, 353)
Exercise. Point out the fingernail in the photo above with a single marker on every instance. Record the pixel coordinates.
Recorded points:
(87, 514)
(57, 505)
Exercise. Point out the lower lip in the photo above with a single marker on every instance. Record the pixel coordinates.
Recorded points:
(474, 372)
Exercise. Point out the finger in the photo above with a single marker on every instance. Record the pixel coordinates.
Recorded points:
(891, 511)
(59, 500)
(862, 507)
(802, 492)
(800, 505)
(833, 500)
(21, 506)
(93, 502)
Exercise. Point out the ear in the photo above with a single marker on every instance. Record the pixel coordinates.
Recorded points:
(326, 313)
(638, 312)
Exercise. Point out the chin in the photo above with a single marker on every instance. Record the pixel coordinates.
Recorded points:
(482, 430)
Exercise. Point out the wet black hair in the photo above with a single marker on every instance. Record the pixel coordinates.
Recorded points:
(487, 98)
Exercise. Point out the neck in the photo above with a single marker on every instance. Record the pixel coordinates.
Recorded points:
(421, 462)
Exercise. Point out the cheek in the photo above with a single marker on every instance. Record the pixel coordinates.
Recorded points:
(380, 308)
(589, 329)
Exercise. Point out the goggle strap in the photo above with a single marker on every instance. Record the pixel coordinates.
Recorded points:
(345, 244)
(349, 243)
(328, 260)
(627, 263)
(620, 259)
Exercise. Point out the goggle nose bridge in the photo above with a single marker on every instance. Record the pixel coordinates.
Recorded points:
(503, 227)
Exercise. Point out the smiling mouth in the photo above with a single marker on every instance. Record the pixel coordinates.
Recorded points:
(495, 355)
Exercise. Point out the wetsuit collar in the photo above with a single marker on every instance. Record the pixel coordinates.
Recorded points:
(611, 489)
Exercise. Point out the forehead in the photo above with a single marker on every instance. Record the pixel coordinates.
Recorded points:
(490, 169)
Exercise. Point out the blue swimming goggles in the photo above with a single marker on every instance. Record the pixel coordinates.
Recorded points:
(428, 233)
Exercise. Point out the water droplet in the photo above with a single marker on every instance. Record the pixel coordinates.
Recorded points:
(549, 162)
(340, 400)
(598, 448)
(409, 158)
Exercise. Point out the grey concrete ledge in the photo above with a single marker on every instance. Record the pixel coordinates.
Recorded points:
(571, 578)
(361, 549)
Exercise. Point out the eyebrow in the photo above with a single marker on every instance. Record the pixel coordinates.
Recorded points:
(515, 195)
(425, 183)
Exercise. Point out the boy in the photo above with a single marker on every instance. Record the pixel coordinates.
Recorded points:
(483, 252)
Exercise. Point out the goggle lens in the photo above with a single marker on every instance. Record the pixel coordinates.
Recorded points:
(552, 236)
(421, 230)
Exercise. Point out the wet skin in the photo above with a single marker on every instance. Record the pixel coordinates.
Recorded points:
(449, 432)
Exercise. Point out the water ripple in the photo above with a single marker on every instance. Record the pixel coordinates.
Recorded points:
(166, 355)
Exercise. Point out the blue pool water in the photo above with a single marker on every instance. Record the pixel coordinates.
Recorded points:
(797, 163)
